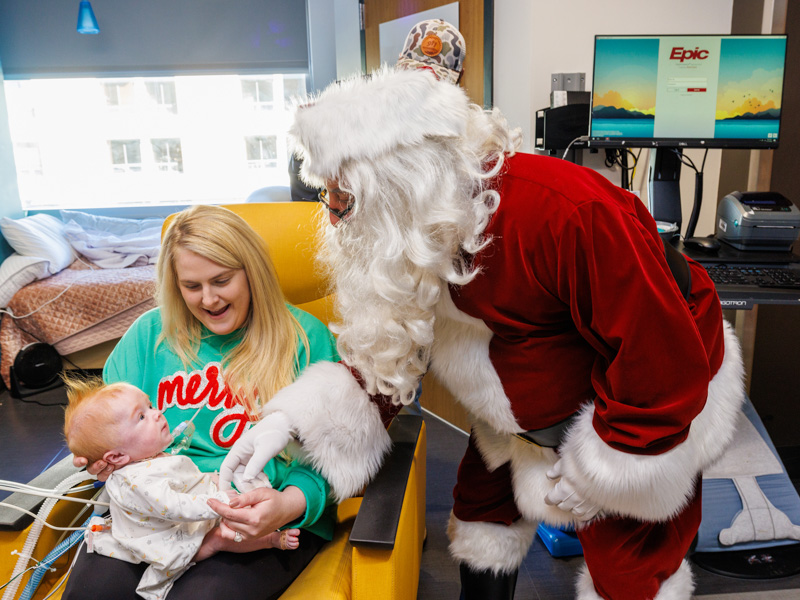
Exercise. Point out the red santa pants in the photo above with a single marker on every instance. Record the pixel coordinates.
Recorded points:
(627, 559)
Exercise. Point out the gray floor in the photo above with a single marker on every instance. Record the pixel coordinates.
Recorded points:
(31, 440)
(541, 577)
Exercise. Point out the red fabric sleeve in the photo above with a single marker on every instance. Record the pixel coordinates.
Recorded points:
(384, 403)
(651, 374)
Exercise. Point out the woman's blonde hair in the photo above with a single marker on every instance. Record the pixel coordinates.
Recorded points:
(264, 359)
(90, 428)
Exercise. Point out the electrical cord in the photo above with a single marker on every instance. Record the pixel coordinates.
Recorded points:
(11, 314)
(698, 189)
(614, 158)
(583, 138)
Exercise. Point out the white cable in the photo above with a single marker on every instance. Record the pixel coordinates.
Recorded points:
(64, 578)
(50, 495)
(38, 518)
(35, 531)
(26, 486)
(61, 293)
(583, 138)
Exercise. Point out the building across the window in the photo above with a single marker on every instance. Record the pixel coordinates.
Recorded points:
(84, 143)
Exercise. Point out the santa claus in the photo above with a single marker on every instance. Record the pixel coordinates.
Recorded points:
(540, 296)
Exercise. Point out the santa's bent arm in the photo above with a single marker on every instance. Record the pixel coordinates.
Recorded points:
(667, 377)
(340, 430)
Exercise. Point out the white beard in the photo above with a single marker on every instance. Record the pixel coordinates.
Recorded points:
(419, 219)
(386, 309)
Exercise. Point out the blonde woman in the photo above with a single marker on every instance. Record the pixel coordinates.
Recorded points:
(221, 343)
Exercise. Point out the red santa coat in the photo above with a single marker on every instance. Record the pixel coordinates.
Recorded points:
(577, 293)
(575, 306)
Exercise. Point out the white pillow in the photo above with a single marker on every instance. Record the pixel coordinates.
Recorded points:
(18, 271)
(39, 235)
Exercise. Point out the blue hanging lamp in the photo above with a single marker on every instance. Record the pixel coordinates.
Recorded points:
(86, 20)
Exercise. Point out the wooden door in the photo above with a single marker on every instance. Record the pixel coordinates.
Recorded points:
(475, 23)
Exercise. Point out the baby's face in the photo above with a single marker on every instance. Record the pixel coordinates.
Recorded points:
(143, 430)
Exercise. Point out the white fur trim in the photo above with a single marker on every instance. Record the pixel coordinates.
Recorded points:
(584, 586)
(490, 546)
(357, 119)
(529, 466)
(655, 488)
(340, 430)
(678, 586)
(460, 359)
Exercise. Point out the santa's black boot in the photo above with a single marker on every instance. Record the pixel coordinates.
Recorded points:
(487, 585)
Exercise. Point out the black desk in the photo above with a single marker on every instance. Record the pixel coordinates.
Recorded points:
(744, 297)
(772, 559)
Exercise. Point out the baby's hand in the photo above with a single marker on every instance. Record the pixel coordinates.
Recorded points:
(232, 493)
(246, 485)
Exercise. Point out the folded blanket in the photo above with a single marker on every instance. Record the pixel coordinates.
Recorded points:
(113, 243)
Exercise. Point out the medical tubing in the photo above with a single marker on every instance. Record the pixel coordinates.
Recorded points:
(35, 532)
(42, 567)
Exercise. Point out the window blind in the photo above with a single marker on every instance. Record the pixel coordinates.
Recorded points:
(153, 37)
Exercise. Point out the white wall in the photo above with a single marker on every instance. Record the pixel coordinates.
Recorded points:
(535, 38)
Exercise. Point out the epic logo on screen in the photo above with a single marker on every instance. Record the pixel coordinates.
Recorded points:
(683, 54)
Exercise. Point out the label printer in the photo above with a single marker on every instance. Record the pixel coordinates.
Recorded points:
(758, 221)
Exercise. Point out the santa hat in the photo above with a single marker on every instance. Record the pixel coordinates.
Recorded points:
(363, 118)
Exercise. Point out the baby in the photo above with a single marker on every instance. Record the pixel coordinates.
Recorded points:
(159, 513)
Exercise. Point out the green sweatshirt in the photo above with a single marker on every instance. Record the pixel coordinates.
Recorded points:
(179, 392)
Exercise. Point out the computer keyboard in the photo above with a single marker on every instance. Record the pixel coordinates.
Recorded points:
(764, 277)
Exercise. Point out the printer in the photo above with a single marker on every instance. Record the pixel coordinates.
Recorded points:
(758, 221)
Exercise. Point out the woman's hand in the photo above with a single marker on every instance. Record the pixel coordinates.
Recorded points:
(101, 469)
(256, 514)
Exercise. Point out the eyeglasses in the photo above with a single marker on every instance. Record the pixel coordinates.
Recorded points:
(339, 214)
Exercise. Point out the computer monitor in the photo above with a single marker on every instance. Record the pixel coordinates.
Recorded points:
(669, 92)
(683, 91)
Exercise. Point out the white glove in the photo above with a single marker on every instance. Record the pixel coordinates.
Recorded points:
(259, 444)
(566, 497)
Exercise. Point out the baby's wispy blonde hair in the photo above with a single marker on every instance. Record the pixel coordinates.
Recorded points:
(89, 426)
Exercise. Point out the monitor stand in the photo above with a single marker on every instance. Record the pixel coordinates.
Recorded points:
(664, 189)
(664, 185)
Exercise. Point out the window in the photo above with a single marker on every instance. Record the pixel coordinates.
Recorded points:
(162, 95)
(293, 87)
(95, 142)
(126, 156)
(258, 93)
(29, 160)
(119, 93)
(262, 152)
(167, 155)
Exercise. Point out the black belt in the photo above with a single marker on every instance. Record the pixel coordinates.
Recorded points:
(549, 437)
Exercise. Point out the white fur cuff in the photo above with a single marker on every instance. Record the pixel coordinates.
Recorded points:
(340, 429)
(490, 546)
(656, 488)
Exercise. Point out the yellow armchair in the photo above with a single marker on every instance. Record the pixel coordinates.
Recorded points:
(377, 547)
